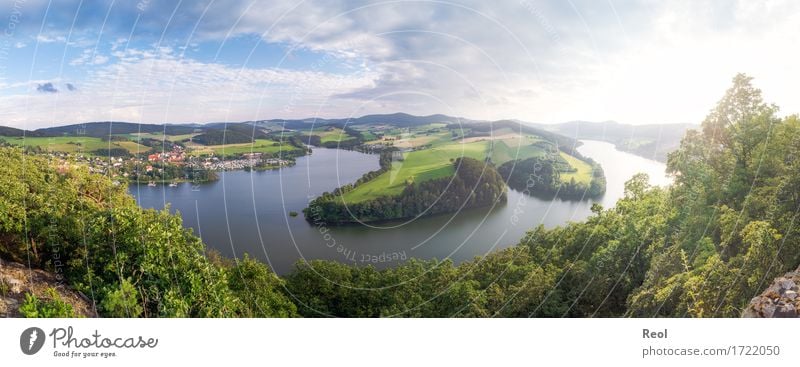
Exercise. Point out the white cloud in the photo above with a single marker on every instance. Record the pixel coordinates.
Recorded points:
(536, 60)
(153, 86)
(43, 38)
(642, 62)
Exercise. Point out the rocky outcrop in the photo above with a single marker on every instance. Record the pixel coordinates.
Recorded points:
(779, 300)
(16, 280)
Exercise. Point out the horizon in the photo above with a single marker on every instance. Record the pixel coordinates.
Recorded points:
(152, 62)
(529, 123)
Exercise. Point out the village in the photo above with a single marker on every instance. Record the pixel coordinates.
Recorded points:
(168, 167)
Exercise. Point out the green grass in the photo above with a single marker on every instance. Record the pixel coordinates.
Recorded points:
(583, 171)
(258, 146)
(368, 135)
(159, 136)
(417, 166)
(73, 144)
(330, 135)
(512, 149)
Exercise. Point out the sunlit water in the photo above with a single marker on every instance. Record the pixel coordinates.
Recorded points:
(248, 212)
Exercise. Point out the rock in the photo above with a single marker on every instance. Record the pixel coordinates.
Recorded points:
(13, 285)
(785, 311)
(787, 284)
(780, 299)
(768, 310)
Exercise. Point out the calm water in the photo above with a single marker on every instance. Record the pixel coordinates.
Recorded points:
(248, 212)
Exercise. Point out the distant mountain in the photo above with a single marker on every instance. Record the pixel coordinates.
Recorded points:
(398, 119)
(106, 128)
(10, 131)
(652, 141)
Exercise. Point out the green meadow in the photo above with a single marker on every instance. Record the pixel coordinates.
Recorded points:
(328, 135)
(417, 166)
(73, 144)
(258, 146)
(436, 161)
(583, 170)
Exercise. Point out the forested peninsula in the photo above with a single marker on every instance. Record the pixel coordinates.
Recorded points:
(474, 184)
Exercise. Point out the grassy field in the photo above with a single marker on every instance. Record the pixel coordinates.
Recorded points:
(160, 136)
(329, 135)
(583, 171)
(260, 145)
(73, 144)
(510, 149)
(417, 166)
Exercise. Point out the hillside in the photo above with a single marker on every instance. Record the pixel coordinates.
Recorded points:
(18, 282)
(10, 131)
(652, 141)
(105, 129)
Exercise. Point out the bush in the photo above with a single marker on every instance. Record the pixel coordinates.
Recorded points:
(52, 306)
(122, 302)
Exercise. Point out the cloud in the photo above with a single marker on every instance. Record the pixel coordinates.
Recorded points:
(43, 38)
(155, 85)
(46, 88)
(536, 60)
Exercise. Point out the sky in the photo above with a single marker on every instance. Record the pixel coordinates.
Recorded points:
(157, 61)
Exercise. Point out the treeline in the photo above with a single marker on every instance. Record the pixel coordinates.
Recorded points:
(474, 184)
(541, 177)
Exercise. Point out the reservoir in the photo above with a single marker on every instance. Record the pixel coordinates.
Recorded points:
(248, 212)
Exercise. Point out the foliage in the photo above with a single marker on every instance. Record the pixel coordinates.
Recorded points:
(540, 176)
(122, 301)
(259, 289)
(49, 307)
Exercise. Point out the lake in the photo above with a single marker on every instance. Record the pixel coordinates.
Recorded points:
(248, 212)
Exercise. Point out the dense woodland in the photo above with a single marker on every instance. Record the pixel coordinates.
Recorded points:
(541, 177)
(700, 248)
(474, 184)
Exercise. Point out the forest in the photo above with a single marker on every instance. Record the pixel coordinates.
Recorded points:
(702, 247)
(474, 184)
(541, 177)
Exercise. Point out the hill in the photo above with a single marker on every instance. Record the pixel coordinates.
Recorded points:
(10, 131)
(652, 141)
(106, 128)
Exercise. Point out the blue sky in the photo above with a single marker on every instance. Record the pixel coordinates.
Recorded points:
(157, 61)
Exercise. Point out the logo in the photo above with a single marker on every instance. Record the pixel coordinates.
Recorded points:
(31, 340)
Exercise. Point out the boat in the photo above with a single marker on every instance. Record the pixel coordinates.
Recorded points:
(151, 184)
(174, 184)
